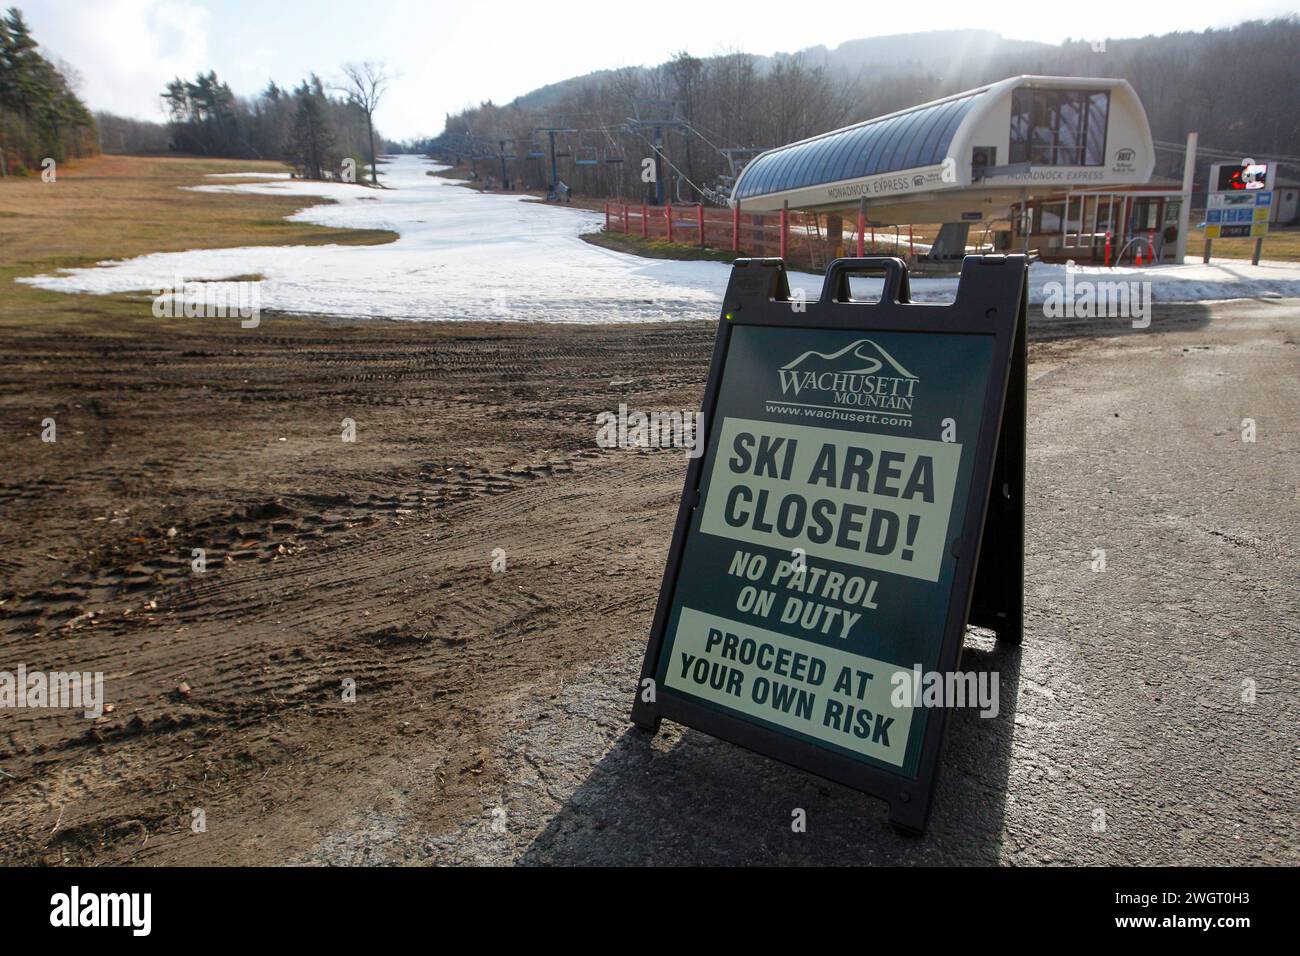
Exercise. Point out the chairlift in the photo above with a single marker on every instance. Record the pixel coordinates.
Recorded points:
(563, 150)
(587, 155)
(535, 150)
(614, 154)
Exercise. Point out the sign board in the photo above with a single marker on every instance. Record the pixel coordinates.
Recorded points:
(1242, 177)
(1237, 231)
(830, 532)
(1241, 214)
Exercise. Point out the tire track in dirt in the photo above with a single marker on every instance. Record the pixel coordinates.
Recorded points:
(325, 561)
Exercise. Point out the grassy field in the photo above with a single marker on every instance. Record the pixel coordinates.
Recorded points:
(1281, 244)
(116, 207)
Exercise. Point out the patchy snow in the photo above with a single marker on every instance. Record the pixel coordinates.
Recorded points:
(469, 255)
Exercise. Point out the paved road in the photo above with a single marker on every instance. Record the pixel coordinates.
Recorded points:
(1125, 699)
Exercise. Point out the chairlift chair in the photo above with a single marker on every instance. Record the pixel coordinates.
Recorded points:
(614, 154)
(587, 155)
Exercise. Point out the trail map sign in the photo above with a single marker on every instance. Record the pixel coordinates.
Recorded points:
(862, 459)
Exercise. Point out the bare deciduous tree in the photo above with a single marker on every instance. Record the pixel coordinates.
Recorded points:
(366, 84)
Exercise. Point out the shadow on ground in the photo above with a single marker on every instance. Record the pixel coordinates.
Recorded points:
(1163, 317)
(691, 799)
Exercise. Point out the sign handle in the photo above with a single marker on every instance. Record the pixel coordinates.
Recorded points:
(896, 289)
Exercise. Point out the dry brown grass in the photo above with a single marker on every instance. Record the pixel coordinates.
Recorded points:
(116, 207)
(1281, 244)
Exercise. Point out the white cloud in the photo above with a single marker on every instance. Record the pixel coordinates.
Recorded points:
(126, 50)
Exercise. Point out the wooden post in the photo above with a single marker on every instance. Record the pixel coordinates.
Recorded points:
(735, 228)
(625, 219)
(1259, 249)
(607, 217)
(668, 215)
(645, 222)
(1205, 256)
(785, 221)
(699, 219)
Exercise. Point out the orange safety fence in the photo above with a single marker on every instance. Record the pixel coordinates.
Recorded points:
(802, 239)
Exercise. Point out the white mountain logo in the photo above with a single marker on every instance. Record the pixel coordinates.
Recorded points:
(853, 368)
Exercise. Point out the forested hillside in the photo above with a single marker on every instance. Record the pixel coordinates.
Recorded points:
(1237, 87)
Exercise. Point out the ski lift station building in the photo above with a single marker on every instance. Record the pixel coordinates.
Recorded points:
(1053, 161)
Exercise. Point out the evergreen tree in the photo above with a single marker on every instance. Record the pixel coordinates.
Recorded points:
(40, 114)
(311, 139)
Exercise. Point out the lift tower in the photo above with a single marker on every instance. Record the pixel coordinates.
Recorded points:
(551, 132)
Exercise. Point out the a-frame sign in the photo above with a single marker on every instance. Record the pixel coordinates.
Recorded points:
(858, 500)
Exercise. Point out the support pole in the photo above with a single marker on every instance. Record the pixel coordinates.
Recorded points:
(735, 228)
(862, 226)
(835, 234)
(1185, 207)
(785, 223)
(1259, 250)
(555, 172)
(645, 222)
(659, 168)
(1205, 256)
(699, 220)
(625, 219)
(668, 215)
(1026, 220)
(606, 216)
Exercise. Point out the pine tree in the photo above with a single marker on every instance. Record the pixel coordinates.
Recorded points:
(40, 115)
(311, 140)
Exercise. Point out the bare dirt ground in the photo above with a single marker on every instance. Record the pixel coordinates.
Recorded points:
(489, 723)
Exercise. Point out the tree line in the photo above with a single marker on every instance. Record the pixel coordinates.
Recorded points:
(1236, 86)
(41, 116)
(323, 132)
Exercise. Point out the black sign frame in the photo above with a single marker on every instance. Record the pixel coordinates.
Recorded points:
(988, 584)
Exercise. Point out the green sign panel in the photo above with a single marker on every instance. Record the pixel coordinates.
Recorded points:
(826, 544)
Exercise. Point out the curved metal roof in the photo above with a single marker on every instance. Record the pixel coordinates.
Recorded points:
(907, 140)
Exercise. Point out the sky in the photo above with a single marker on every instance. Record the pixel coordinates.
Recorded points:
(447, 56)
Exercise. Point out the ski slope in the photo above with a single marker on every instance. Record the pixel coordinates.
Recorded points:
(466, 255)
